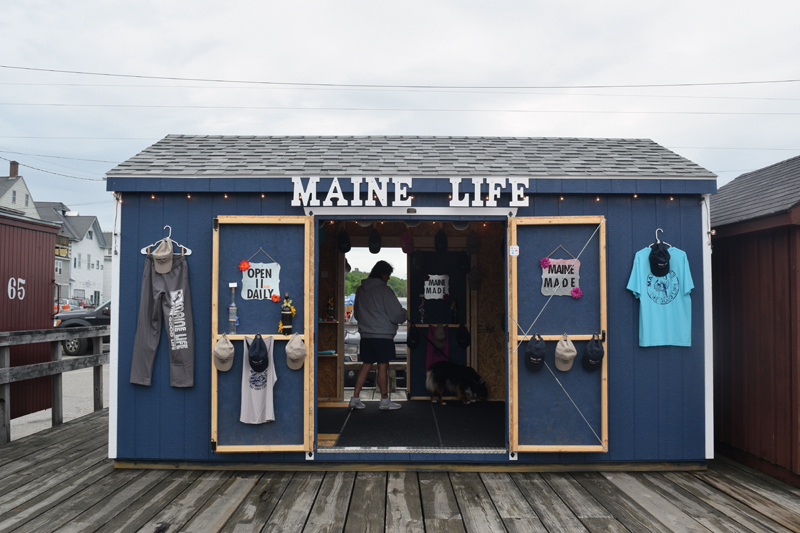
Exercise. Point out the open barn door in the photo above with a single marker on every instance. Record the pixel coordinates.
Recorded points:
(557, 287)
(266, 257)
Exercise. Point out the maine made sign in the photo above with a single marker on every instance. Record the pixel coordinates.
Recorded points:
(560, 277)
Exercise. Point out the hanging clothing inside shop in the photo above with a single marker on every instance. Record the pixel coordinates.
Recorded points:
(258, 383)
(438, 345)
(165, 293)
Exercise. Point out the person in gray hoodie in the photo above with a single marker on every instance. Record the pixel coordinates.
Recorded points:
(378, 312)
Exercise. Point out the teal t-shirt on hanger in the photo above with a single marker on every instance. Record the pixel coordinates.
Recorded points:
(665, 304)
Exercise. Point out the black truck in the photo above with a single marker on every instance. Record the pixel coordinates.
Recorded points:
(99, 316)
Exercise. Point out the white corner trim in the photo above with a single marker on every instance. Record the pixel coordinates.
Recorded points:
(113, 371)
(708, 326)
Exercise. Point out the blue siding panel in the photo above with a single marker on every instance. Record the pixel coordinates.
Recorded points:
(147, 399)
(172, 422)
(130, 272)
(147, 185)
(548, 186)
(693, 375)
(648, 187)
(601, 186)
(623, 186)
(623, 331)
(645, 364)
(575, 186)
(197, 236)
(673, 186)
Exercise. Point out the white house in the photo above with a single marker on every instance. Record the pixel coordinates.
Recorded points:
(107, 272)
(88, 250)
(14, 194)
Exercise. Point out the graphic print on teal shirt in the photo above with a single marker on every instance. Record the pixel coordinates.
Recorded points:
(665, 304)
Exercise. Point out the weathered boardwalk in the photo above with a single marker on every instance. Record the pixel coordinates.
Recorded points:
(60, 480)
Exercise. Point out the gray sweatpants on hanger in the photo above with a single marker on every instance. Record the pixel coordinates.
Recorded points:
(165, 296)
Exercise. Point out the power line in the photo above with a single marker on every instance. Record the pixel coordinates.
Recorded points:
(56, 173)
(378, 86)
(400, 109)
(727, 148)
(59, 157)
(81, 138)
(429, 91)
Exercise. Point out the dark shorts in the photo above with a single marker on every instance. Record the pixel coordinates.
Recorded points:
(377, 350)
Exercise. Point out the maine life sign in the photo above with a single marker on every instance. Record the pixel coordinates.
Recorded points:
(261, 281)
(560, 277)
(375, 191)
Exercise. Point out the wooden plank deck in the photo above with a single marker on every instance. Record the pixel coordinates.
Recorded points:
(60, 480)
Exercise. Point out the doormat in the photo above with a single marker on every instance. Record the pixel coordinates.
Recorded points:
(413, 425)
(422, 424)
(330, 420)
(475, 425)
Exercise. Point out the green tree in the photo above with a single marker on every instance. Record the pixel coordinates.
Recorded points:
(352, 281)
(398, 286)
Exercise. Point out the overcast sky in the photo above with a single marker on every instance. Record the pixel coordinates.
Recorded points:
(523, 63)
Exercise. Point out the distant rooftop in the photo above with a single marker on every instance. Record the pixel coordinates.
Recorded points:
(250, 156)
(768, 191)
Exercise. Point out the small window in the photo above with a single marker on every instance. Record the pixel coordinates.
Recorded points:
(74, 262)
(79, 261)
(89, 264)
(98, 264)
(13, 197)
(26, 200)
(89, 235)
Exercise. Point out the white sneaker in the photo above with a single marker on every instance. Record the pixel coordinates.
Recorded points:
(388, 405)
(356, 403)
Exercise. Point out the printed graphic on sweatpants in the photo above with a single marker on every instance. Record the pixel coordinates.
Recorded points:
(177, 322)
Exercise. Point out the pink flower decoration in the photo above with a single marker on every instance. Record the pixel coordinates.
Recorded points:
(576, 293)
(544, 262)
(244, 265)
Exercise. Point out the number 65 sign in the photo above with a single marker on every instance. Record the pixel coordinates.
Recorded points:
(16, 288)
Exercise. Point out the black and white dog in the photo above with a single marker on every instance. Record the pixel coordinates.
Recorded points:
(451, 378)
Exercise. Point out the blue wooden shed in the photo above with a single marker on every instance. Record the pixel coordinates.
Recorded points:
(541, 239)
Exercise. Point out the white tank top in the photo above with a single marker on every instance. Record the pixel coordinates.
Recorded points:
(257, 387)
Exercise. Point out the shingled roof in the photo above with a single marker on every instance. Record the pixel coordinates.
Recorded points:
(241, 156)
(768, 191)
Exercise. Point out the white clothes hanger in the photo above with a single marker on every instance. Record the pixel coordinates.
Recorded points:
(184, 249)
(659, 241)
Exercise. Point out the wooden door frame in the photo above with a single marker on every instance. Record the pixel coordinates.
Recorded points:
(307, 336)
(514, 337)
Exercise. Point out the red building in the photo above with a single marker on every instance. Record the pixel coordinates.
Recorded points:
(26, 274)
(756, 278)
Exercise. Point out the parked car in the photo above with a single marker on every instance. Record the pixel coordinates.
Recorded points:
(75, 303)
(62, 304)
(100, 316)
